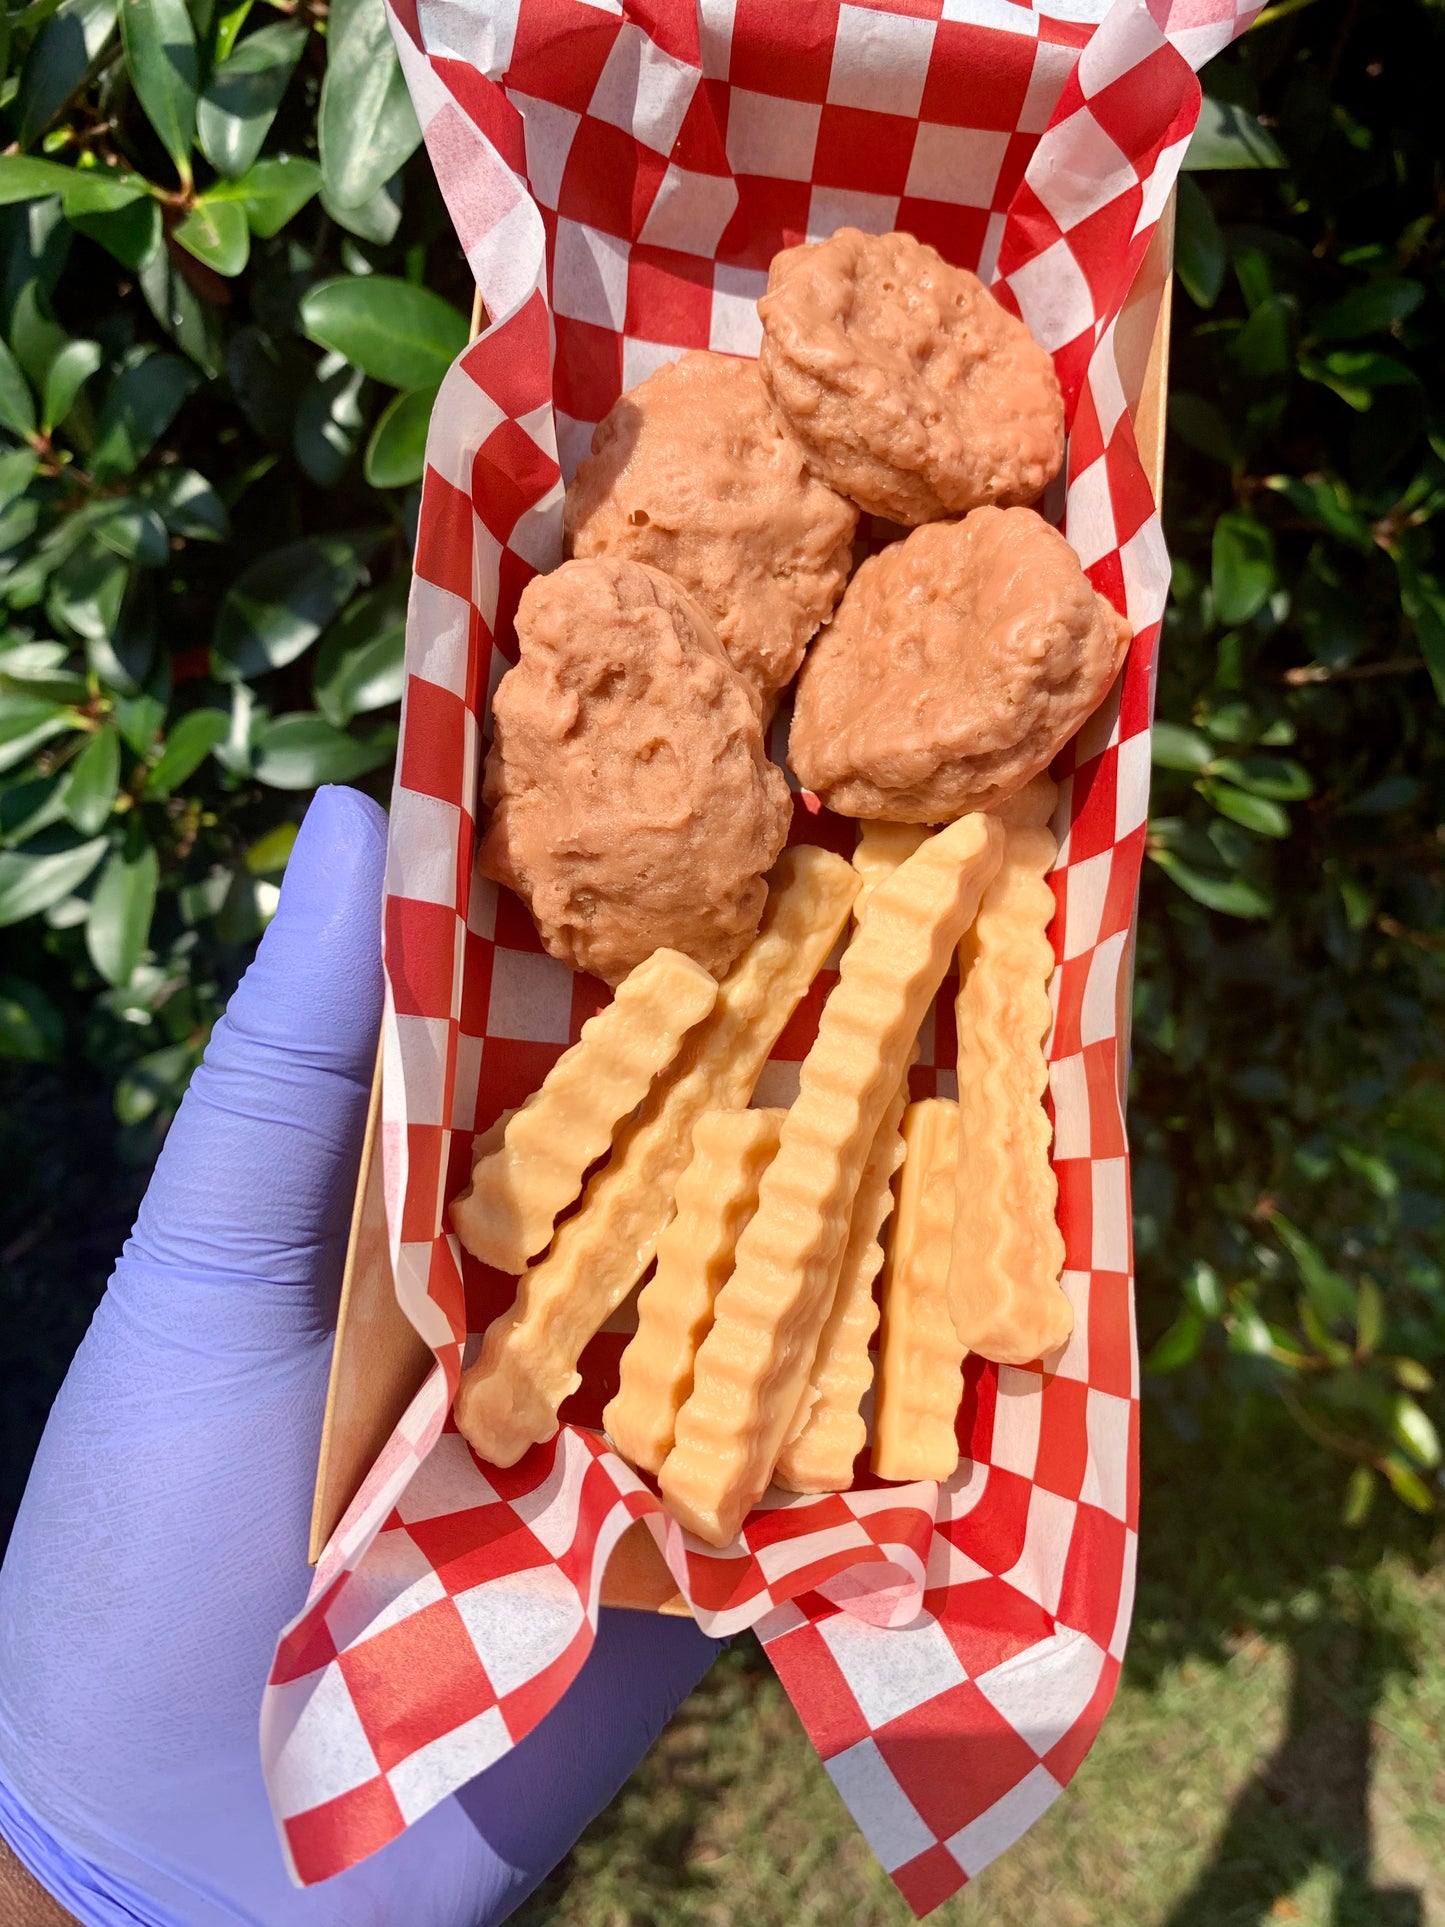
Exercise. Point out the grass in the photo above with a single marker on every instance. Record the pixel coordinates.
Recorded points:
(1276, 1752)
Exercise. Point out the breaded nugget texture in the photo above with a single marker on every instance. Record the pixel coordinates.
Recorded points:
(692, 472)
(910, 389)
(632, 802)
(958, 664)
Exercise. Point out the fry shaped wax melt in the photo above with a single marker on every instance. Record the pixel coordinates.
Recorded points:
(519, 1188)
(820, 1458)
(510, 1397)
(1003, 1282)
(716, 1196)
(752, 1368)
(920, 1383)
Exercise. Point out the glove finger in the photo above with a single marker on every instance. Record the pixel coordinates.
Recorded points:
(255, 1179)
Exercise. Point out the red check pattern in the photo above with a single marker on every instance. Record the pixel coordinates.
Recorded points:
(620, 173)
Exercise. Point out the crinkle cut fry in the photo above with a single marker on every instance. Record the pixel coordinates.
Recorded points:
(833, 1432)
(510, 1397)
(820, 1458)
(752, 1368)
(520, 1187)
(1008, 1254)
(716, 1195)
(920, 1359)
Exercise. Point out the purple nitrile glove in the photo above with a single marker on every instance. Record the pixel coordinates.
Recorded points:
(161, 1544)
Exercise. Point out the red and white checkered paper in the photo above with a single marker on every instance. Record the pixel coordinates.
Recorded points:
(620, 176)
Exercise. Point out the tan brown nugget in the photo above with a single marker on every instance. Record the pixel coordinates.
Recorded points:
(752, 1370)
(1003, 1279)
(959, 662)
(633, 804)
(692, 472)
(909, 387)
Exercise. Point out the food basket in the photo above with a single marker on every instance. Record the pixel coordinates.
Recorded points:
(619, 176)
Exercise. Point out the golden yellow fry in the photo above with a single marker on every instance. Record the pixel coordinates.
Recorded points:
(820, 1458)
(920, 1381)
(831, 1434)
(509, 1398)
(716, 1195)
(880, 849)
(752, 1369)
(1003, 1281)
(521, 1186)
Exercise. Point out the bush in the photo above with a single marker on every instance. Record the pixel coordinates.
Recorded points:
(228, 289)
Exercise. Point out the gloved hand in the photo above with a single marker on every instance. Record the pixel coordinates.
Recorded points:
(161, 1542)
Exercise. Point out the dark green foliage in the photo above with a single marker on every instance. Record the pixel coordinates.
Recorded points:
(227, 293)
(1288, 1103)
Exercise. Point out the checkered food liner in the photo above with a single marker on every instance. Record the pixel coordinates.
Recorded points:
(620, 176)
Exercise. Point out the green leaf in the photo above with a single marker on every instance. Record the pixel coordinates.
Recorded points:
(30, 884)
(228, 27)
(82, 190)
(71, 369)
(138, 411)
(1375, 1171)
(187, 745)
(1203, 1290)
(188, 504)
(1228, 137)
(1367, 310)
(1231, 896)
(139, 720)
(299, 751)
(123, 903)
(1200, 259)
(276, 610)
(1248, 1332)
(1413, 1431)
(1243, 566)
(17, 404)
(1359, 1496)
(35, 334)
(376, 220)
(17, 472)
(1422, 597)
(28, 721)
(329, 421)
(270, 853)
(1264, 346)
(1179, 1345)
(359, 666)
(1332, 1296)
(243, 93)
(1199, 423)
(70, 40)
(1174, 747)
(366, 124)
(90, 785)
(272, 192)
(160, 54)
(133, 234)
(398, 333)
(1255, 813)
(1273, 776)
(1406, 1484)
(396, 453)
(1325, 503)
(1369, 1318)
(32, 1030)
(216, 232)
(1383, 798)
(131, 528)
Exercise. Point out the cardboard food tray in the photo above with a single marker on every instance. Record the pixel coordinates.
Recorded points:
(379, 1361)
